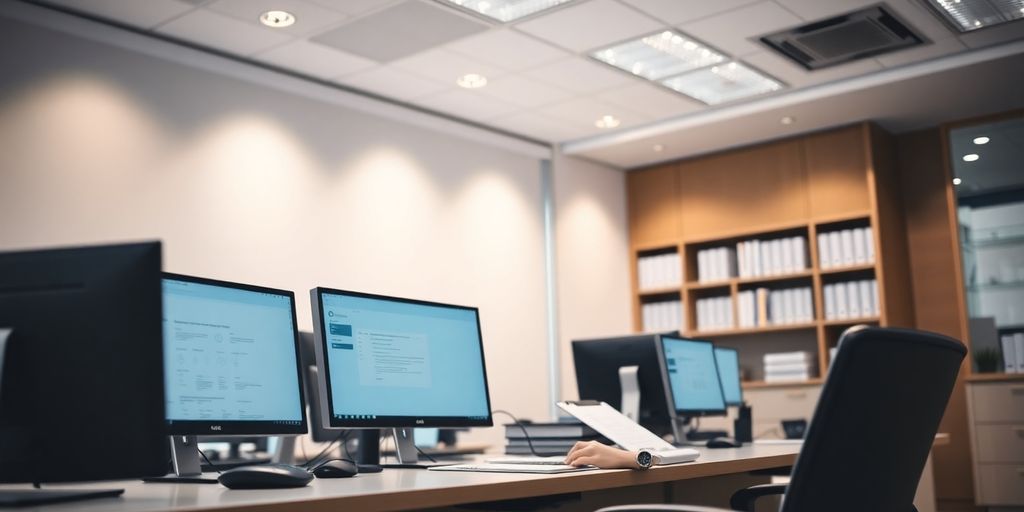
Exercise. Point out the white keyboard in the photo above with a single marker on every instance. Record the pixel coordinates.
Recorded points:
(489, 467)
(542, 461)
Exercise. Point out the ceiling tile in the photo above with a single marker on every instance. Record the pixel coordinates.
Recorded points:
(994, 35)
(735, 32)
(444, 66)
(920, 53)
(675, 12)
(507, 49)
(579, 75)
(581, 114)
(140, 14)
(813, 10)
(796, 76)
(921, 19)
(651, 100)
(538, 126)
(590, 25)
(467, 104)
(314, 59)
(355, 7)
(401, 30)
(223, 33)
(391, 82)
(523, 91)
(309, 17)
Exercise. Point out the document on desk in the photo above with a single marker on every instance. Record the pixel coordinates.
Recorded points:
(614, 425)
(489, 467)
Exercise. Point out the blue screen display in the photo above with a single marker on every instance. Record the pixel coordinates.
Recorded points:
(728, 364)
(692, 375)
(393, 358)
(229, 354)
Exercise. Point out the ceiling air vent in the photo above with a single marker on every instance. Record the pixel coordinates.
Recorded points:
(856, 35)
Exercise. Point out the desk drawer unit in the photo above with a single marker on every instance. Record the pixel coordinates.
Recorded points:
(997, 437)
(771, 406)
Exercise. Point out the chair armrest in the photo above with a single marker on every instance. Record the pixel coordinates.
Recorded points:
(744, 499)
(661, 508)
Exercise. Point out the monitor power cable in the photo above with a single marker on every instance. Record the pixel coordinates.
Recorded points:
(522, 427)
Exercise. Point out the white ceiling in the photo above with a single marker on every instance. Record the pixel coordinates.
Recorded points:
(541, 82)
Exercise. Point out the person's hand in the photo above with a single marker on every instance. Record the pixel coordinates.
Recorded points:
(593, 453)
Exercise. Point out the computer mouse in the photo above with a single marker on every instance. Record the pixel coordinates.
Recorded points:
(265, 476)
(723, 442)
(336, 469)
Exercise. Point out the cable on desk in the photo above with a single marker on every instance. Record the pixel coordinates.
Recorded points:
(207, 460)
(421, 452)
(343, 435)
(521, 427)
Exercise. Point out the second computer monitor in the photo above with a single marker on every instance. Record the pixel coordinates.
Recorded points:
(691, 377)
(393, 363)
(728, 363)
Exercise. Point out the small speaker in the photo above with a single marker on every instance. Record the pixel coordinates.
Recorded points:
(742, 426)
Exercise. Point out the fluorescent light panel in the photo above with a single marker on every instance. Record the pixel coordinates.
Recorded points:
(968, 15)
(659, 55)
(722, 83)
(506, 10)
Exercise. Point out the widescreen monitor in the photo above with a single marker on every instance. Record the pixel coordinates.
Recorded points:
(728, 362)
(690, 377)
(597, 363)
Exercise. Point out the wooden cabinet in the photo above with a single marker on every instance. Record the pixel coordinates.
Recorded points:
(996, 425)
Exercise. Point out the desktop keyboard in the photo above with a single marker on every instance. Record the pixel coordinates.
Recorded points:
(542, 461)
(489, 467)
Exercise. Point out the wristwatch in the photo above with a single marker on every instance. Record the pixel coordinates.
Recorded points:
(644, 459)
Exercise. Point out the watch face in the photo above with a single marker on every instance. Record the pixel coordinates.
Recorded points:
(644, 459)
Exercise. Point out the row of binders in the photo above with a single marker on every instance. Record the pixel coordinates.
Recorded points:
(717, 264)
(764, 307)
(781, 256)
(846, 248)
(662, 316)
(714, 313)
(789, 366)
(659, 271)
(1013, 352)
(852, 299)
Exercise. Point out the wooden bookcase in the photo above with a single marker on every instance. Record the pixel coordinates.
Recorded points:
(795, 187)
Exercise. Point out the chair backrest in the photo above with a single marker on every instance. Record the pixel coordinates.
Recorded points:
(875, 422)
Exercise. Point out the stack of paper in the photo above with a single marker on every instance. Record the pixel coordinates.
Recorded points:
(758, 258)
(659, 271)
(788, 366)
(716, 264)
(662, 316)
(1013, 352)
(853, 299)
(714, 313)
(846, 248)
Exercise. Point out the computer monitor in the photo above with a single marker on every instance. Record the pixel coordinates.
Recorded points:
(399, 363)
(598, 377)
(231, 357)
(690, 378)
(310, 381)
(727, 361)
(80, 353)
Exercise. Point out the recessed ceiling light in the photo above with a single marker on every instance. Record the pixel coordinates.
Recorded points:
(968, 15)
(971, 157)
(472, 81)
(981, 140)
(719, 84)
(957, 181)
(658, 148)
(506, 10)
(659, 55)
(607, 121)
(787, 120)
(277, 19)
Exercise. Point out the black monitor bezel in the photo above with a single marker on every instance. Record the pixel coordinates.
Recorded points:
(662, 363)
(240, 427)
(722, 382)
(327, 398)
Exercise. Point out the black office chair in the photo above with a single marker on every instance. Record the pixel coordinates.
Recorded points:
(872, 429)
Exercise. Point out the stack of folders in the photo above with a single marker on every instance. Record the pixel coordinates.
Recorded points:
(758, 258)
(846, 248)
(788, 366)
(764, 307)
(716, 264)
(548, 438)
(852, 299)
(662, 316)
(1013, 352)
(714, 313)
(659, 271)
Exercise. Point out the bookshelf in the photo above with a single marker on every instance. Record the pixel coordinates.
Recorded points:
(806, 187)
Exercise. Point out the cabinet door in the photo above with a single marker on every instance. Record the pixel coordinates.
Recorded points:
(836, 163)
(653, 211)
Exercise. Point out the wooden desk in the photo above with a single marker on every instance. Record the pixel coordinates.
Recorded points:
(408, 489)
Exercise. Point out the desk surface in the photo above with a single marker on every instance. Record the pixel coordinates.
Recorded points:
(406, 489)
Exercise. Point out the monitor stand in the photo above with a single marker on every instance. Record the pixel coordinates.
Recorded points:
(185, 461)
(688, 435)
(629, 383)
(405, 451)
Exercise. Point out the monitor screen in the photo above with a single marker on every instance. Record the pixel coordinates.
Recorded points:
(691, 377)
(231, 359)
(728, 362)
(392, 362)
